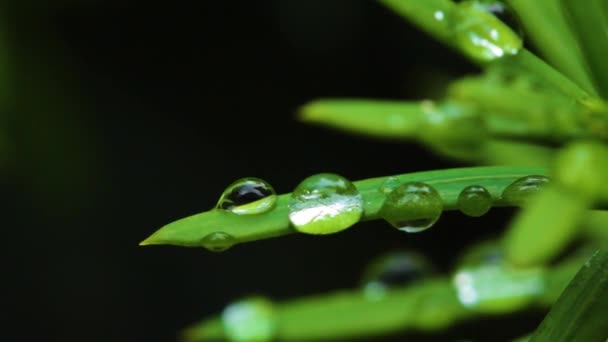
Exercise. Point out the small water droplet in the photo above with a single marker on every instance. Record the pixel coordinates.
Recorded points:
(412, 207)
(218, 241)
(390, 184)
(248, 196)
(396, 269)
(325, 203)
(474, 200)
(482, 254)
(439, 15)
(486, 29)
(519, 191)
(250, 319)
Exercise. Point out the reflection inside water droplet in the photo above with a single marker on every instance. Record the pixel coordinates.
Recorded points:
(248, 196)
(325, 203)
(474, 200)
(412, 207)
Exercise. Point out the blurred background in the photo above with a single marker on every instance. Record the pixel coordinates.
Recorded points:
(117, 117)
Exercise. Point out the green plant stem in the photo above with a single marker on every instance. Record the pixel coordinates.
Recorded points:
(580, 312)
(449, 183)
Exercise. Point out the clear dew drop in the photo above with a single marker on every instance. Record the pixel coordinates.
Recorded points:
(325, 203)
(486, 29)
(250, 319)
(519, 191)
(248, 196)
(218, 241)
(412, 207)
(474, 200)
(395, 269)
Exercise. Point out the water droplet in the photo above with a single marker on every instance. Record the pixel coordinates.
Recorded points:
(498, 288)
(519, 191)
(218, 241)
(482, 254)
(439, 15)
(248, 196)
(474, 200)
(250, 319)
(482, 30)
(325, 203)
(390, 184)
(394, 269)
(412, 207)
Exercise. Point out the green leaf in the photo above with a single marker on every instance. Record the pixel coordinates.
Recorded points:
(589, 21)
(580, 312)
(433, 304)
(547, 28)
(191, 231)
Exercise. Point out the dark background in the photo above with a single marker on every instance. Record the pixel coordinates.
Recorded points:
(120, 117)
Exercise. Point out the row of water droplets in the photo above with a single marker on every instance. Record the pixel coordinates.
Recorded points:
(485, 30)
(481, 279)
(328, 203)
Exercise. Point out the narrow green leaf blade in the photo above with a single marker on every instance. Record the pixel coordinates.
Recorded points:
(589, 21)
(547, 28)
(581, 312)
(190, 231)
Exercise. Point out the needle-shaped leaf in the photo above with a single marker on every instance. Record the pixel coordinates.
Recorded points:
(444, 21)
(428, 305)
(226, 228)
(589, 21)
(546, 27)
(580, 312)
(576, 188)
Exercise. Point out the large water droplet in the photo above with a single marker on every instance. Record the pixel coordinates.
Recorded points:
(250, 319)
(482, 31)
(218, 241)
(412, 207)
(519, 191)
(395, 269)
(325, 203)
(474, 200)
(248, 196)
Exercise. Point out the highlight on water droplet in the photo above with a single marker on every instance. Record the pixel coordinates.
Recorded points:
(248, 196)
(325, 203)
(481, 29)
(498, 288)
(412, 207)
(474, 200)
(518, 192)
(250, 319)
(218, 241)
(396, 269)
